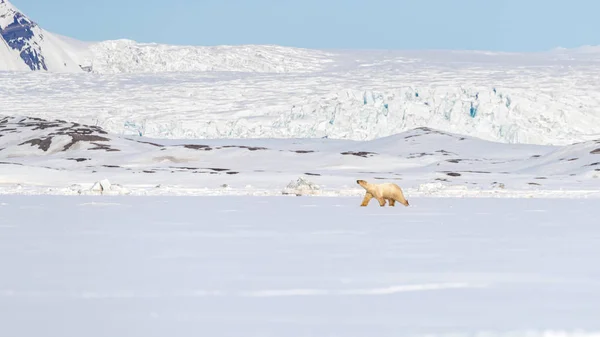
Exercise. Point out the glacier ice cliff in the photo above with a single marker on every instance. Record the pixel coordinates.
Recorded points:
(541, 108)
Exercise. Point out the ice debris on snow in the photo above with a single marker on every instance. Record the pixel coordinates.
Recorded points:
(104, 187)
(432, 188)
(301, 187)
(101, 186)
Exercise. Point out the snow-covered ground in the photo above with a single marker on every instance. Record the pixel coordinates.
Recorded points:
(59, 157)
(287, 266)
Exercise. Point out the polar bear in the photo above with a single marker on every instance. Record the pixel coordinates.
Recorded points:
(382, 192)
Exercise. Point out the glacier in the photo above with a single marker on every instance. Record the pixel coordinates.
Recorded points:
(127, 56)
(550, 105)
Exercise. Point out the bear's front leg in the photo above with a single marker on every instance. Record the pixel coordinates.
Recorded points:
(366, 199)
(392, 202)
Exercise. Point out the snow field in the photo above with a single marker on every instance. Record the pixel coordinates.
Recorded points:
(273, 266)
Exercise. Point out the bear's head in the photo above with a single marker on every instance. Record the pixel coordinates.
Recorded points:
(362, 183)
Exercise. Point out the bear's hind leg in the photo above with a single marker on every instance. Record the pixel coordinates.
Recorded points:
(381, 202)
(366, 199)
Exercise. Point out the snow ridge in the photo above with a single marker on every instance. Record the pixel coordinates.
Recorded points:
(126, 56)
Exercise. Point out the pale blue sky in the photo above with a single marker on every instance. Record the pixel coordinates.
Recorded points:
(508, 25)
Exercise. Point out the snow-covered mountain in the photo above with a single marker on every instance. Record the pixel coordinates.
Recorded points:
(25, 45)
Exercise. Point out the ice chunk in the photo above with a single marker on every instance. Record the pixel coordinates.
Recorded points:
(104, 187)
(301, 187)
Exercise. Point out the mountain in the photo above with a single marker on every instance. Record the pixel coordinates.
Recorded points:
(25, 45)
